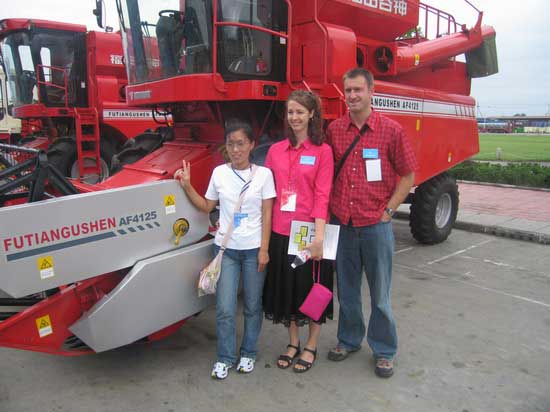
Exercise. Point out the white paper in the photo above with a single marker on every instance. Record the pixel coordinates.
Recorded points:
(290, 205)
(304, 232)
(374, 170)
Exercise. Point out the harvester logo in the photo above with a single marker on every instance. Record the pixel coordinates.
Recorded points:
(127, 114)
(46, 238)
(44, 326)
(45, 267)
(116, 59)
(389, 6)
(50, 240)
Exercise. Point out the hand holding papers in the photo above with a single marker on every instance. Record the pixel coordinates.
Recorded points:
(302, 233)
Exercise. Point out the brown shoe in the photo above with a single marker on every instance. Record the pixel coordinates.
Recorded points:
(384, 368)
(339, 353)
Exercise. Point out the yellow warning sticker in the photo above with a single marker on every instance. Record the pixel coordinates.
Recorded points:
(416, 59)
(170, 204)
(44, 326)
(45, 267)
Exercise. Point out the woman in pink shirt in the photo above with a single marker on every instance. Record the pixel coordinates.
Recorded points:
(303, 168)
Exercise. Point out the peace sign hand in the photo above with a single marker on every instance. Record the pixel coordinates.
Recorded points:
(184, 174)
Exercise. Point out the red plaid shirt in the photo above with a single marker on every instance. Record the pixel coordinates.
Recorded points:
(352, 195)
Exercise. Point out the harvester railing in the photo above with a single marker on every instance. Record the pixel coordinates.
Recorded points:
(49, 83)
(435, 22)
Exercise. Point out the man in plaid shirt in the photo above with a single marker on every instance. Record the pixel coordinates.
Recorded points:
(371, 183)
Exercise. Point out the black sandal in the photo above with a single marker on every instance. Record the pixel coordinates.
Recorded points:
(288, 359)
(306, 365)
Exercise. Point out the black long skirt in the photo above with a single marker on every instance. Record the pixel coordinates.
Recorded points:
(285, 288)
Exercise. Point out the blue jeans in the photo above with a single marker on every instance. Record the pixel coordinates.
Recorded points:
(234, 263)
(371, 248)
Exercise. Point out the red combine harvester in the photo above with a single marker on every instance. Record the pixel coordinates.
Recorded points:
(119, 263)
(70, 84)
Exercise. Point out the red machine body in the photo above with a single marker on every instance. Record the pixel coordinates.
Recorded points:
(205, 62)
(69, 85)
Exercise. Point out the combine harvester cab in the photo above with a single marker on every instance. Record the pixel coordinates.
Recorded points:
(204, 63)
(70, 85)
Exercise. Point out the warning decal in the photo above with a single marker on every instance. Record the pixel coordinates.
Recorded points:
(45, 267)
(44, 326)
(170, 204)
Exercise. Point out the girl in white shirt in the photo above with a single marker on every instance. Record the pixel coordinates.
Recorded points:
(246, 251)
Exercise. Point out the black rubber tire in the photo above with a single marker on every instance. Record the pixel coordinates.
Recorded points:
(62, 155)
(136, 148)
(434, 209)
(126, 157)
(107, 151)
(259, 153)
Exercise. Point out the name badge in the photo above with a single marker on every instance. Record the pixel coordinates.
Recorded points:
(374, 170)
(240, 222)
(288, 201)
(307, 160)
(370, 153)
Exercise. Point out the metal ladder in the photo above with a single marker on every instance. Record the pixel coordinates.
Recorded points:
(87, 142)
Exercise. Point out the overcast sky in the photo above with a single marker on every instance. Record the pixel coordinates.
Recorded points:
(523, 33)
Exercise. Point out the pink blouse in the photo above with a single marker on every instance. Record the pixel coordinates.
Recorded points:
(306, 171)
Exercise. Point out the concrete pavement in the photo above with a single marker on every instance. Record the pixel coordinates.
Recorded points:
(501, 210)
(473, 319)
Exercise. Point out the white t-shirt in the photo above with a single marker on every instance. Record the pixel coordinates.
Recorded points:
(225, 186)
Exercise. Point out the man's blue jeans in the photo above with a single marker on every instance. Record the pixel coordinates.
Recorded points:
(234, 263)
(371, 248)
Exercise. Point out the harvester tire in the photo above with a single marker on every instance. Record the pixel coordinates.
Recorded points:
(62, 154)
(135, 149)
(434, 209)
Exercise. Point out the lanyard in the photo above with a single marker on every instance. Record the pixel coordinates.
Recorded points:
(238, 175)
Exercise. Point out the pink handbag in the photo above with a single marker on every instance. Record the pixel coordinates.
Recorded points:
(318, 297)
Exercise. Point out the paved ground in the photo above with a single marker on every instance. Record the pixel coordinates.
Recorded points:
(474, 325)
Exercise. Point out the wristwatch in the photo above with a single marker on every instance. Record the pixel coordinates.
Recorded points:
(389, 211)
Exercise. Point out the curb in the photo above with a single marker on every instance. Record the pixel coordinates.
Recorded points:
(503, 185)
(493, 230)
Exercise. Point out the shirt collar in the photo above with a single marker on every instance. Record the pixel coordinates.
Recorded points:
(371, 121)
(306, 144)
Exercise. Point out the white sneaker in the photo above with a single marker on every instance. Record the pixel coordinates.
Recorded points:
(246, 365)
(220, 370)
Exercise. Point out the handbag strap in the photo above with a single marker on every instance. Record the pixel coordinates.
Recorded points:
(238, 207)
(348, 151)
(318, 264)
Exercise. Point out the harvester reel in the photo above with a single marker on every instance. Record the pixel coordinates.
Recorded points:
(434, 209)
